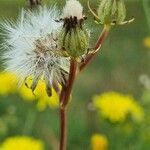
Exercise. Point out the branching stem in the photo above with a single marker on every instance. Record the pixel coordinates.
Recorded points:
(97, 47)
(66, 90)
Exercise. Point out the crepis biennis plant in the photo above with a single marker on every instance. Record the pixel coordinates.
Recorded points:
(56, 51)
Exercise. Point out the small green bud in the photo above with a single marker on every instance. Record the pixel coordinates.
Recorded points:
(111, 11)
(73, 38)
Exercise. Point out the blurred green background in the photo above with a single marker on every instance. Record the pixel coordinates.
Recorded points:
(124, 58)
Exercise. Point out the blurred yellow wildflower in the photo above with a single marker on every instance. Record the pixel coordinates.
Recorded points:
(116, 107)
(22, 143)
(8, 83)
(99, 142)
(146, 42)
(43, 100)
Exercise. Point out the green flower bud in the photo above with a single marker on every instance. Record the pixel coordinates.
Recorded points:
(111, 11)
(73, 38)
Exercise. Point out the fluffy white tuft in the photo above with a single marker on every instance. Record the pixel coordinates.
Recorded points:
(32, 48)
(73, 9)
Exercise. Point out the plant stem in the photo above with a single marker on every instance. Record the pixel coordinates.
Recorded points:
(64, 99)
(63, 128)
(68, 88)
(97, 47)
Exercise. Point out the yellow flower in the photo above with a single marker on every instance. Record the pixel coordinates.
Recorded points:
(116, 107)
(22, 143)
(8, 83)
(99, 142)
(43, 100)
(146, 42)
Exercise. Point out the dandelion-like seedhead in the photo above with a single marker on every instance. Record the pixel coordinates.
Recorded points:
(32, 48)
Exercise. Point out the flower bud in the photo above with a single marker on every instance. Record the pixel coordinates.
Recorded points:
(111, 11)
(73, 38)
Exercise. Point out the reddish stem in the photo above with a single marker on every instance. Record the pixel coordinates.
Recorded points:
(64, 99)
(68, 88)
(97, 47)
(63, 128)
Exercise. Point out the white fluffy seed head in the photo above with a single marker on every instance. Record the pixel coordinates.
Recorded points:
(73, 8)
(32, 47)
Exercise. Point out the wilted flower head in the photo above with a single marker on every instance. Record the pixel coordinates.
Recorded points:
(32, 46)
(74, 38)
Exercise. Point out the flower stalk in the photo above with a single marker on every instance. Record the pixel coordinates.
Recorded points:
(75, 66)
(97, 47)
(64, 100)
(63, 129)
(66, 90)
